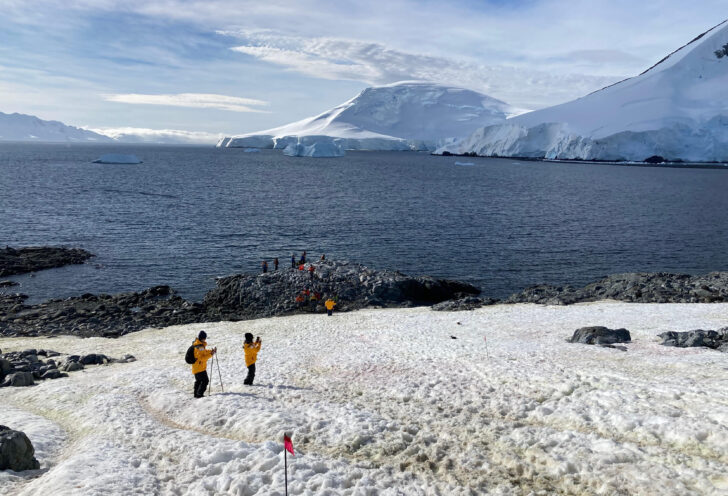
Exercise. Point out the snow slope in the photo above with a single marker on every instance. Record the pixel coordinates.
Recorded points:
(677, 109)
(400, 116)
(384, 402)
(21, 127)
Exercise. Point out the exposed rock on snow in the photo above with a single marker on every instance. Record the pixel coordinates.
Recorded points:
(31, 259)
(274, 293)
(97, 315)
(600, 335)
(117, 158)
(400, 116)
(717, 340)
(314, 146)
(16, 451)
(21, 127)
(675, 110)
(463, 304)
(658, 287)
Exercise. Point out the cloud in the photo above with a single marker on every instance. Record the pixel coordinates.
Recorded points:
(144, 135)
(195, 100)
(375, 63)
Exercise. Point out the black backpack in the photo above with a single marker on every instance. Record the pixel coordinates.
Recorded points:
(190, 355)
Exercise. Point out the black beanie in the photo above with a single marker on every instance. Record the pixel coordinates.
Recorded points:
(202, 336)
(248, 337)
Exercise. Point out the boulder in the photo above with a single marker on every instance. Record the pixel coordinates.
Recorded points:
(16, 451)
(600, 335)
(72, 366)
(463, 304)
(716, 340)
(52, 374)
(21, 379)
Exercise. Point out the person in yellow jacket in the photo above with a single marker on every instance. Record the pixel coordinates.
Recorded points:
(251, 355)
(330, 304)
(199, 368)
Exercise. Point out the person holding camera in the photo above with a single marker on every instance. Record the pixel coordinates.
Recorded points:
(199, 367)
(251, 355)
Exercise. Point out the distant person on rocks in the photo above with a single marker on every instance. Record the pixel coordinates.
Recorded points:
(302, 267)
(265, 266)
(314, 301)
(275, 263)
(311, 268)
(299, 301)
(199, 368)
(303, 257)
(293, 260)
(330, 304)
(251, 355)
(323, 257)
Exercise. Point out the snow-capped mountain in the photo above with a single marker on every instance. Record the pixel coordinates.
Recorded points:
(21, 127)
(677, 109)
(400, 116)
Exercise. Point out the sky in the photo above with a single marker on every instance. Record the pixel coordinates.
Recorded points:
(198, 69)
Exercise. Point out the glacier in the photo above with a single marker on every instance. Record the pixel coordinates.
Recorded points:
(407, 115)
(676, 110)
(22, 127)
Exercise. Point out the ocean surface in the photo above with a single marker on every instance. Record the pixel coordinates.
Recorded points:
(190, 214)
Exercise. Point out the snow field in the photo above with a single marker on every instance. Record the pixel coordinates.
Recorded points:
(386, 402)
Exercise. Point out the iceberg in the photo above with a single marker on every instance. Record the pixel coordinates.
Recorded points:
(117, 158)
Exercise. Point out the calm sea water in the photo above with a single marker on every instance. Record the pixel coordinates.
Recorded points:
(189, 214)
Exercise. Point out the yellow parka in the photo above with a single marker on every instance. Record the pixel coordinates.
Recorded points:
(330, 304)
(201, 355)
(251, 352)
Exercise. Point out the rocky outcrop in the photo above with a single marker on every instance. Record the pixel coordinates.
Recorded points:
(600, 335)
(97, 315)
(22, 260)
(23, 368)
(659, 287)
(463, 304)
(716, 340)
(16, 451)
(353, 285)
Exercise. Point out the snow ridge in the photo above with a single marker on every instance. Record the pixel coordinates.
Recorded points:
(407, 115)
(676, 110)
(22, 127)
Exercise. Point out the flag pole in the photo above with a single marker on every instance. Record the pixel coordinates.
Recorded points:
(285, 458)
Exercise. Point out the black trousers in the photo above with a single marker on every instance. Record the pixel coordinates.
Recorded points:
(201, 382)
(251, 375)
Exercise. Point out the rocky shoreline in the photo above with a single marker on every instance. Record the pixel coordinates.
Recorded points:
(30, 259)
(353, 286)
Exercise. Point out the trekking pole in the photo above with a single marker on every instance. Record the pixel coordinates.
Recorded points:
(210, 375)
(219, 375)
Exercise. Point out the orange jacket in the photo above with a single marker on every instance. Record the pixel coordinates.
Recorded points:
(330, 304)
(202, 355)
(251, 352)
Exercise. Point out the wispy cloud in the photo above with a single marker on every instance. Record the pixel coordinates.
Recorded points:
(375, 63)
(137, 134)
(195, 100)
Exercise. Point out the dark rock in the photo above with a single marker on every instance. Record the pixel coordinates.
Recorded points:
(21, 379)
(16, 451)
(31, 259)
(716, 340)
(356, 286)
(600, 335)
(659, 287)
(52, 374)
(462, 304)
(71, 366)
(8, 284)
(655, 159)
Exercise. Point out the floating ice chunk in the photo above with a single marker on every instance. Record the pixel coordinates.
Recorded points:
(464, 163)
(117, 158)
(251, 150)
(315, 146)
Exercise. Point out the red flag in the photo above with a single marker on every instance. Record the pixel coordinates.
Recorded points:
(288, 444)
